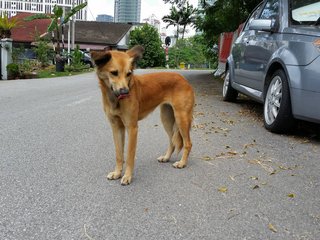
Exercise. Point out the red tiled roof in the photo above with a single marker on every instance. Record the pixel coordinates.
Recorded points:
(87, 33)
(26, 31)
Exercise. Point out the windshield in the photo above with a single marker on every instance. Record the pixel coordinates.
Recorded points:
(305, 12)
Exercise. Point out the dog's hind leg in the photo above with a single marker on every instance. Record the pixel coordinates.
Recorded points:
(118, 131)
(183, 121)
(168, 121)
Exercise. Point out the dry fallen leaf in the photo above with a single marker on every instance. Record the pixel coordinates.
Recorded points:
(223, 189)
(232, 153)
(273, 172)
(256, 187)
(291, 195)
(206, 158)
(305, 141)
(272, 228)
(249, 145)
(264, 165)
(199, 114)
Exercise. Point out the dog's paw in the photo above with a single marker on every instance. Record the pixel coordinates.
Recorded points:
(163, 159)
(114, 175)
(179, 164)
(126, 180)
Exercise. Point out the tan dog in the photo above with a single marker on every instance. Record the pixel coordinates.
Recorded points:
(128, 98)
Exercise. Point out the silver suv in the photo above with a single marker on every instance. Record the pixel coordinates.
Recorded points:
(276, 61)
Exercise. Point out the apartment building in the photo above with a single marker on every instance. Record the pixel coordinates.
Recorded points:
(12, 7)
(127, 11)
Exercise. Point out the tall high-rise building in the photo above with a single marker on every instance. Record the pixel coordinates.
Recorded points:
(12, 7)
(127, 11)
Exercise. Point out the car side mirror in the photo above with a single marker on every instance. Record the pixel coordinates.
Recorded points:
(267, 25)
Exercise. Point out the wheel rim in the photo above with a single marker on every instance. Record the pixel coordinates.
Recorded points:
(226, 84)
(273, 100)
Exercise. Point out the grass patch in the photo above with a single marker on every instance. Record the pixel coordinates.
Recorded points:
(51, 73)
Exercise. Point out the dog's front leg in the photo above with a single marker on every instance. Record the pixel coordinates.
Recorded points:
(132, 144)
(118, 132)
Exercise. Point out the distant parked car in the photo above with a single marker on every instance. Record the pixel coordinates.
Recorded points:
(276, 61)
(85, 59)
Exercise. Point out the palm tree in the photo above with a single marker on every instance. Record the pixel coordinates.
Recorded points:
(173, 19)
(188, 16)
(6, 24)
(182, 16)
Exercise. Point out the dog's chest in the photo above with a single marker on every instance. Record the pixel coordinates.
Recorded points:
(117, 110)
(112, 110)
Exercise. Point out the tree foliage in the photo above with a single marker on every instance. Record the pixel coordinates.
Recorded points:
(43, 52)
(189, 51)
(222, 16)
(225, 15)
(148, 37)
(178, 3)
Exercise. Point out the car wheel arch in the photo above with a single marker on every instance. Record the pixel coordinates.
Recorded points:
(275, 65)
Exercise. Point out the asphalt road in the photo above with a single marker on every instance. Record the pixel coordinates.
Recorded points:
(242, 182)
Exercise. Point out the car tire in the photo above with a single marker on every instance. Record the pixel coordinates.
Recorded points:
(229, 94)
(277, 112)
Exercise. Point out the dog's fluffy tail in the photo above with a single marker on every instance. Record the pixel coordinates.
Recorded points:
(177, 138)
(170, 125)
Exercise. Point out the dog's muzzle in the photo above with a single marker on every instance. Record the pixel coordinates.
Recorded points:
(122, 93)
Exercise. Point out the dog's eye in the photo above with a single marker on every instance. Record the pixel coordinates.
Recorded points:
(129, 74)
(114, 73)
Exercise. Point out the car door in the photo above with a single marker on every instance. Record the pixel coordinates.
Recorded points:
(239, 47)
(259, 48)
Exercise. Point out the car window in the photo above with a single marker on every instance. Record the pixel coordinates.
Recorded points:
(305, 12)
(253, 15)
(270, 10)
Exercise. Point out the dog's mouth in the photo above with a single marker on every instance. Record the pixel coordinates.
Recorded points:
(122, 93)
(122, 96)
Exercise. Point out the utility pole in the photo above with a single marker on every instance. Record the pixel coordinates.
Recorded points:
(73, 26)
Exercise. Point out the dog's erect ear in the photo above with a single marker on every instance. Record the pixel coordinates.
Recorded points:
(136, 53)
(100, 58)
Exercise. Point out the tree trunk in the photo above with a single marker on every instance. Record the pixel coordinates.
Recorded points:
(184, 29)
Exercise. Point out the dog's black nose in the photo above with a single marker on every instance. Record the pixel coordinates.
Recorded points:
(124, 91)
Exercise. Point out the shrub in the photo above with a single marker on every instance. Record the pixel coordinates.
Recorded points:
(43, 53)
(13, 70)
(77, 64)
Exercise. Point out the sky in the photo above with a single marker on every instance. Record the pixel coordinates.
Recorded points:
(148, 7)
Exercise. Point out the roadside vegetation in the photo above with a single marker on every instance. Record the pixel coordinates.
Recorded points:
(149, 38)
(46, 58)
(222, 16)
(189, 52)
(42, 65)
(210, 20)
